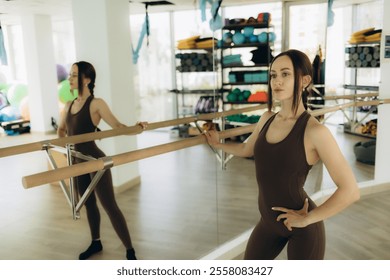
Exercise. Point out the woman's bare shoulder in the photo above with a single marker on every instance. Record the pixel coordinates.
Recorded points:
(317, 130)
(98, 102)
(263, 119)
(265, 116)
(67, 105)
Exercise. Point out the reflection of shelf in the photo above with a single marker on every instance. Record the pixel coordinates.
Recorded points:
(359, 87)
(245, 83)
(244, 66)
(196, 91)
(245, 45)
(348, 130)
(241, 26)
(365, 43)
(237, 123)
(243, 102)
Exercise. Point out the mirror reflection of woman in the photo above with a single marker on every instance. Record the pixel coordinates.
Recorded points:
(285, 145)
(82, 115)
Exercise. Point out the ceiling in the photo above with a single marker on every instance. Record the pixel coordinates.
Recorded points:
(62, 8)
(10, 10)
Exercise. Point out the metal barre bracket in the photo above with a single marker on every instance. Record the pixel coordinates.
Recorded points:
(108, 162)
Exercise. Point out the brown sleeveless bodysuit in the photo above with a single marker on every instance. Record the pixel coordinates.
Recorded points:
(80, 123)
(281, 171)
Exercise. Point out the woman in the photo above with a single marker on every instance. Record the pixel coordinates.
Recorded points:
(285, 146)
(82, 115)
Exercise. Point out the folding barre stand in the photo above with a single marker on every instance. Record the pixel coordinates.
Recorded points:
(71, 192)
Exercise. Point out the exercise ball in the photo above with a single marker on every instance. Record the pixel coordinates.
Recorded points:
(16, 93)
(248, 31)
(253, 38)
(64, 93)
(227, 37)
(24, 108)
(263, 37)
(4, 87)
(9, 113)
(238, 38)
(62, 74)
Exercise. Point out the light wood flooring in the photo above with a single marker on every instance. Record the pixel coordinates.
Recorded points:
(185, 206)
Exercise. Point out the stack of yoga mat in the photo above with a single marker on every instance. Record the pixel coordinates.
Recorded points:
(259, 76)
(195, 62)
(243, 118)
(369, 35)
(232, 60)
(363, 56)
(195, 42)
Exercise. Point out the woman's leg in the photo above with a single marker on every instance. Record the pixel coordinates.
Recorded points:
(307, 243)
(105, 192)
(263, 243)
(93, 217)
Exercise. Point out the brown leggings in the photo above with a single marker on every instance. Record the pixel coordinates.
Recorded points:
(268, 240)
(105, 191)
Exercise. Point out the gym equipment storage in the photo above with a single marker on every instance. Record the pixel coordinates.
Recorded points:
(362, 66)
(246, 53)
(195, 81)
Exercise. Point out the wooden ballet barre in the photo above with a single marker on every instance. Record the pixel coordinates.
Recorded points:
(377, 102)
(131, 130)
(372, 102)
(82, 138)
(349, 96)
(323, 111)
(98, 164)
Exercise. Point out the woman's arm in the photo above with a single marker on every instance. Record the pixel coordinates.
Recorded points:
(347, 191)
(238, 149)
(100, 110)
(61, 130)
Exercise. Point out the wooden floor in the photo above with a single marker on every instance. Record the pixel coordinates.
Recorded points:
(185, 206)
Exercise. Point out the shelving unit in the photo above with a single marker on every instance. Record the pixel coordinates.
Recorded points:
(362, 62)
(194, 67)
(242, 77)
(196, 92)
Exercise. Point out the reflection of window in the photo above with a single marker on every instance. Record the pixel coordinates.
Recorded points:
(17, 67)
(307, 28)
(63, 45)
(152, 73)
(63, 41)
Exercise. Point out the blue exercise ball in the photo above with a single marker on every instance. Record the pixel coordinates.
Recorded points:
(227, 37)
(238, 38)
(248, 31)
(272, 36)
(9, 113)
(253, 38)
(263, 37)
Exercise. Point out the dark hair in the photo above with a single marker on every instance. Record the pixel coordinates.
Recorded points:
(86, 70)
(302, 67)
